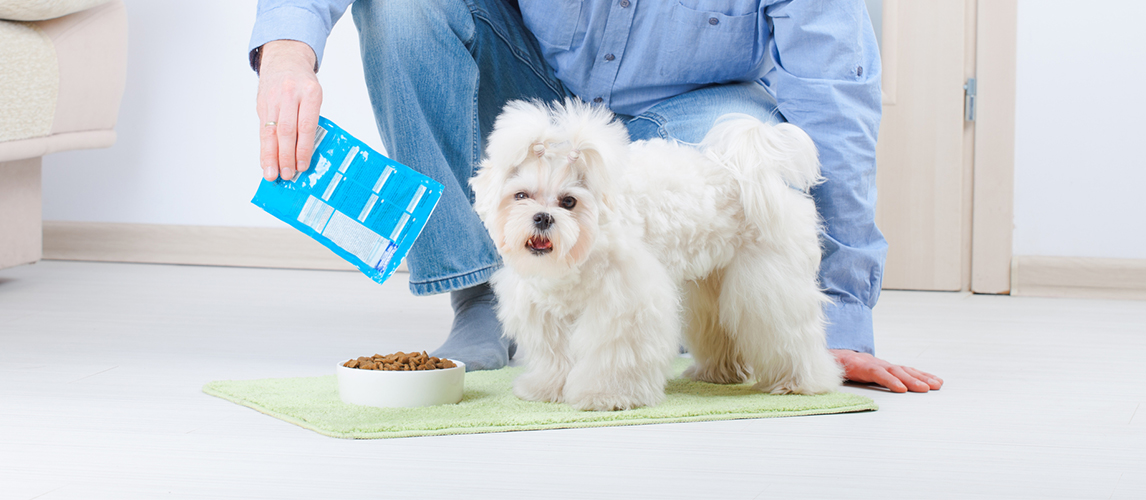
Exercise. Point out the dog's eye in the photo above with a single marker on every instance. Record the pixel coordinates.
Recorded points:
(568, 202)
(521, 195)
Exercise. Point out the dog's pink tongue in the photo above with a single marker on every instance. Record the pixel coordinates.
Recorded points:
(540, 243)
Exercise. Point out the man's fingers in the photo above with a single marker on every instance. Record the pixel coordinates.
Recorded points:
(308, 111)
(861, 367)
(882, 377)
(913, 384)
(287, 80)
(288, 138)
(268, 150)
(932, 381)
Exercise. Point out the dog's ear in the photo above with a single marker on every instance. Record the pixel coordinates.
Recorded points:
(517, 133)
(519, 127)
(599, 143)
(485, 189)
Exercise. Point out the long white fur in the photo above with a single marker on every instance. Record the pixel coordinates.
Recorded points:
(718, 242)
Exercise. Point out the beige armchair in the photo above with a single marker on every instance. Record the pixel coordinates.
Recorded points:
(63, 64)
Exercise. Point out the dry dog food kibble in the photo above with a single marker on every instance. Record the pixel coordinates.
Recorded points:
(400, 361)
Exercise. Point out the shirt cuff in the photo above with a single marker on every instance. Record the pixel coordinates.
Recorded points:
(288, 23)
(849, 325)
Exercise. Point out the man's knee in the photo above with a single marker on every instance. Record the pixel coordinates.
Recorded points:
(689, 116)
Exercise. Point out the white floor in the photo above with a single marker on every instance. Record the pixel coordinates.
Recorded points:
(101, 367)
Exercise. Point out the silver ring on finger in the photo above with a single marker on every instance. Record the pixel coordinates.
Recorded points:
(270, 124)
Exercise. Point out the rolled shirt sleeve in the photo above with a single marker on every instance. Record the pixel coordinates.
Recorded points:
(307, 21)
(825, 74)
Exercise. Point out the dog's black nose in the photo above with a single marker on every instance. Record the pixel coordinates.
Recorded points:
(542, 220)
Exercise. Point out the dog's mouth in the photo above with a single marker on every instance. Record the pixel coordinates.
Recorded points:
(539, 245)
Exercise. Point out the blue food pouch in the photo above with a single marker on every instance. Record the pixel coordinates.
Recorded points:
(363, 206)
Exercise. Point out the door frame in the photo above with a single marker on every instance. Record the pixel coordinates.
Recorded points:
(993, 193)
(988, 172)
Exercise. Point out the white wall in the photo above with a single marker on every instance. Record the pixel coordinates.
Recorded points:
(188, 145)
(1080, 129)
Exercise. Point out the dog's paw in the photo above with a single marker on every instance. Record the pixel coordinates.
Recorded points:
(791, 387)
(716, 374)
(611, 402)
(778, 390)
(602, 389)
(538, 388)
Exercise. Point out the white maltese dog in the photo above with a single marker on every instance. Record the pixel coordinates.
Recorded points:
(613, 248)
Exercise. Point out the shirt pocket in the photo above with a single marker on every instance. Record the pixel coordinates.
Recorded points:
(553, 23)
(710, 47)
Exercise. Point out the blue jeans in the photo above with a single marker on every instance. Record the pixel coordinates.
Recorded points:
(439, 72)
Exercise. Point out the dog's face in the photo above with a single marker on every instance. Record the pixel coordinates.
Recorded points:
(546, 216)
(543, 190)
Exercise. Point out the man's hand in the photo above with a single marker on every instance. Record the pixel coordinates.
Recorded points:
(288, 105)
(863, 367)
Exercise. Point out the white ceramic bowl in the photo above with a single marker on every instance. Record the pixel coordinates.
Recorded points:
(398, 389)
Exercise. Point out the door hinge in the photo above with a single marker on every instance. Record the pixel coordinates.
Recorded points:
(969, 100)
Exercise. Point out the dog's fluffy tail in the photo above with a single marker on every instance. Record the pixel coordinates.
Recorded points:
(765, 159)
(770, 300)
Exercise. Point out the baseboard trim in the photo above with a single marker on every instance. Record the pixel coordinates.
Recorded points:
(189, 245)
(1082, 277)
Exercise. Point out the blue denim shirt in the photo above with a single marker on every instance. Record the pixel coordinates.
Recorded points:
(818, 58)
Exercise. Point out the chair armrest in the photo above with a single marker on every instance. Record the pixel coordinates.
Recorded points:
(39, 10)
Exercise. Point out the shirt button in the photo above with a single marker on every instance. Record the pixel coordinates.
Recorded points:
(609, 57)
(624, 4)
(859, 71)
(713, 21)
(598, 100)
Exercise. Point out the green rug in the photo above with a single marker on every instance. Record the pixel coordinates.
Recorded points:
(490, 406)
